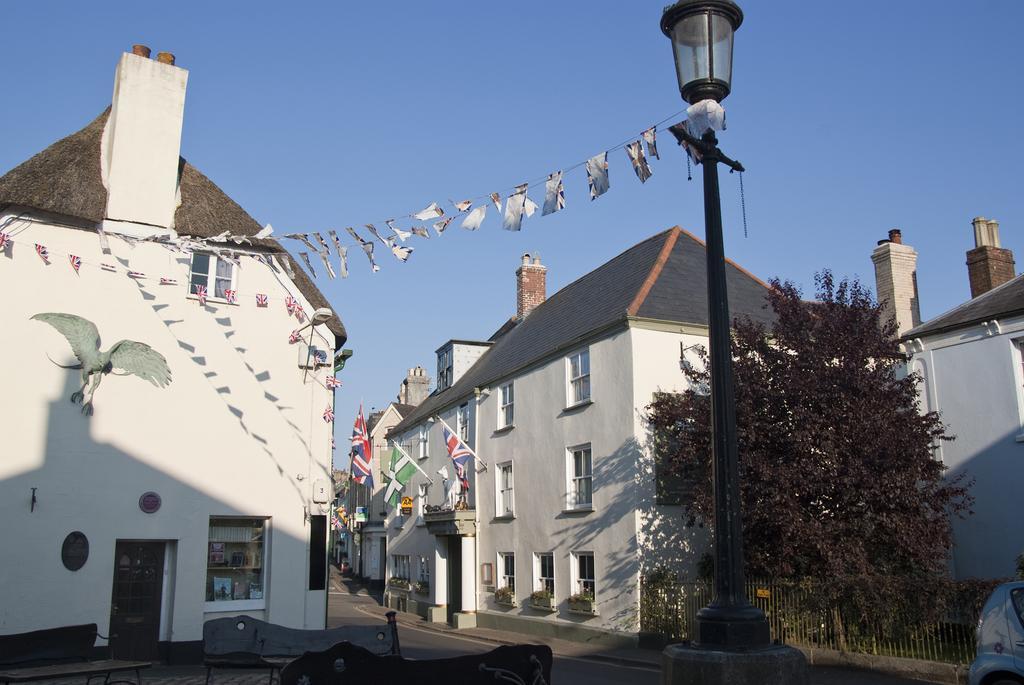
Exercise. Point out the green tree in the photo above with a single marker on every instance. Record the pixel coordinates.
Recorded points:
(839, 479)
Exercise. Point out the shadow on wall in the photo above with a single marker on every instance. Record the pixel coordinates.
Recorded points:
(93, 487)
(663, 541)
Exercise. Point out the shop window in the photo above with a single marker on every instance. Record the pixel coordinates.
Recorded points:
(236, 554)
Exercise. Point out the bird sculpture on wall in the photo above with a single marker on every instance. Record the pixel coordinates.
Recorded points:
(135, 358)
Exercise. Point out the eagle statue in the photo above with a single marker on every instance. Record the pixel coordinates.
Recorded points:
(133, 357)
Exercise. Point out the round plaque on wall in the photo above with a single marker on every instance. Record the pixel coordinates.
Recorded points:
(75, 551)
(150, 502)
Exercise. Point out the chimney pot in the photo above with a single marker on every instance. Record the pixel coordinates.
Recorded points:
(988, 264)
(526, 259)
(883, 241)
(896, 236)
(165, 57)
(141, 50)
(536, 260)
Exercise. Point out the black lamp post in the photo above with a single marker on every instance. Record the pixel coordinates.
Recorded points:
(701, 33)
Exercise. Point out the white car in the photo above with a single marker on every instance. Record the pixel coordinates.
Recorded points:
(1000, 659)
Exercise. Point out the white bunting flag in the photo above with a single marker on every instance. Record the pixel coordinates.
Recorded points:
(635, 152)
(402, 235)
(650, 140)
(432, 211)
(597, 175)
(554, 194)
(343, 256)
(496, 199)
(265, 232)
(309, 264)
(104, 244)
(514, 208)
(462, 205)
(367, 248)
(442, 224)
(475, 218)
(286, 262)
(421, 231)
(529, 207)
(325, 257)
(401, 252)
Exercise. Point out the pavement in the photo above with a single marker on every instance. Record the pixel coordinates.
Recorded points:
(351, 603)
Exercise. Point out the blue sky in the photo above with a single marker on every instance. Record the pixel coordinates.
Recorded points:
(851, 118)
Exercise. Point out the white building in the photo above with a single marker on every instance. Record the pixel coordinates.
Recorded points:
(565, 497)
(972, 370)
(169, 506)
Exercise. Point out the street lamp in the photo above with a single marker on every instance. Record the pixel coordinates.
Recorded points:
(733, 642)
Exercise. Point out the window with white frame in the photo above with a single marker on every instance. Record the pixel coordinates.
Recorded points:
(506, 412)
(507, 570)
(544, 572)
(444, 368)
(462, 422)
(400, 566)
(214, 273)
(421, 502)
(578, 368)
(236, 554)
(424, 570)
(584, 580)
(505, 504)
(580, 469)
(424, 440)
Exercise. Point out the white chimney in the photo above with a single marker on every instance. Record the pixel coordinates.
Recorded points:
(896, 281)
(142, 142)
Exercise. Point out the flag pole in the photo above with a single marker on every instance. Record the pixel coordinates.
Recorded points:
(398, 446)
(471, 451)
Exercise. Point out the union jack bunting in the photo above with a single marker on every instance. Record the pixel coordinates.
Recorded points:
(362, 452)
(107, 267)
(328, 414)
(290, 303)
(75, 261)
(230, 295)
(294, 337)
(300, 313)
(136, 274)
(168, 281)
(201, 294)
(43, 253)
(332, 382)
(261, 300)
(5, 240)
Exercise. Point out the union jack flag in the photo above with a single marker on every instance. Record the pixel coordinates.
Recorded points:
(75, 261)
(201, 294)
(328, 414)
(294, 337)
(230, 295)
(5, 240)
(362, 452)
(460, 455)
(290, 303)
(43, 253)
(136, 274)
(332, 383)
(107, 267)
(168, 281)
(261, 300)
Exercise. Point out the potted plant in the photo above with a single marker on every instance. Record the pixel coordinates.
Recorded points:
(582, 603)
(422, 587)
(505, 596)
(399, 583)
(542, 599)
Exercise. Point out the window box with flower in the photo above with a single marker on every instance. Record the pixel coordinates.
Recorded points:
(422, 587)
(505, 596)
(399, 583)
(582, 603)
(543, 600)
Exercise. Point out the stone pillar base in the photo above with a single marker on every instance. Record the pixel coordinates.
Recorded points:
(776, 665)
(437, 614)
(462, 620)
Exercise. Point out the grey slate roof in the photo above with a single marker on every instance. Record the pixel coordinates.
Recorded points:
(664, 277)
(1004, 300)
(65, 179)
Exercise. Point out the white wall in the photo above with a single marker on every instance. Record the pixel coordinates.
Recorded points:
(974, 377)
(236, 433)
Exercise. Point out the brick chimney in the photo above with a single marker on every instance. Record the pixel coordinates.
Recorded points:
(415, 387)
(896, 281)
(142, 141)
(988, 265)
(531, 285)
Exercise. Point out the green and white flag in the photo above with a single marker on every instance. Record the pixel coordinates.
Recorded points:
(399, 473)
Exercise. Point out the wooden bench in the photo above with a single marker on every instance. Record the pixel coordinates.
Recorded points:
(347, 664)
(243, 642)
(59, 653)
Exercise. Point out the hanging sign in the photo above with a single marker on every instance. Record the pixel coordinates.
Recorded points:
(407, 506)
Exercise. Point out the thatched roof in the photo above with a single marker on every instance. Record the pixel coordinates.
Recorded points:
(65, 179)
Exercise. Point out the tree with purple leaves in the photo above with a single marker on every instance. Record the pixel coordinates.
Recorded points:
(840, 481)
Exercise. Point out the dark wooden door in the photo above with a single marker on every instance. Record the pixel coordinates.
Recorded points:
(454, 576)
(135, 601)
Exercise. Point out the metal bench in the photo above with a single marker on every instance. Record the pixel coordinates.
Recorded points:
(243, 642)
(58, 653)
(347, 664)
